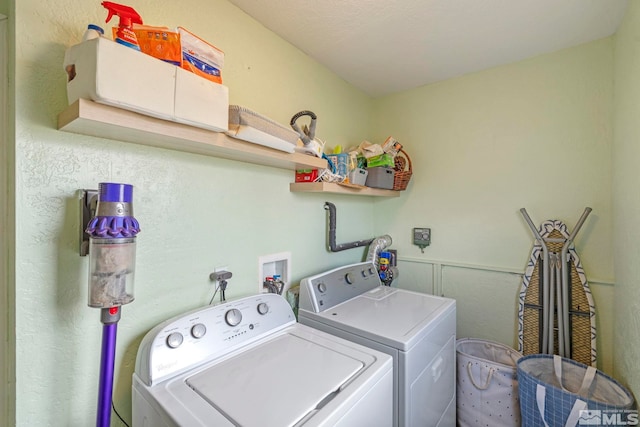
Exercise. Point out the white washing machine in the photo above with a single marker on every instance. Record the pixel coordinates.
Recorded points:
(248, 363)
(418, 330)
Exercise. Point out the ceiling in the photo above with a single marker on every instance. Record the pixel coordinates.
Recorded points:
(389, 46)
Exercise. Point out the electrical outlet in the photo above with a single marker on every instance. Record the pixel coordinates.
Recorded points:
(212, 276)
(220, 277)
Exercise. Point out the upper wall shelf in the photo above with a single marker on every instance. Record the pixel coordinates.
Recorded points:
(90, 118)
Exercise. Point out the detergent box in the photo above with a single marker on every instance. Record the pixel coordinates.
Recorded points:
(306, 175)
(341, 163)
(109, 73)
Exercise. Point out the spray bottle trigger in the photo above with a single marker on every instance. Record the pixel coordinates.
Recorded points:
(109, 16)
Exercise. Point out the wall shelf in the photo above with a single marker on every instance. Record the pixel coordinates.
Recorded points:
(93, 119)
(328, 187)
(90, 118)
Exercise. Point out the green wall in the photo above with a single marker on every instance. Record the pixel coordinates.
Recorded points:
(534, 134)
(538, 134)
(197, 213)
(626, 198)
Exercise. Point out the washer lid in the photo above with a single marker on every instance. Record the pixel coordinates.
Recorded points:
(391, 316)
(254, 388)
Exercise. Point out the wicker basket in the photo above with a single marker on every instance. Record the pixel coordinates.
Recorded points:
(402, 176)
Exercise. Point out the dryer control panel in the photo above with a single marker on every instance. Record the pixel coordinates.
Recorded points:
(326, 290)
(207, 333)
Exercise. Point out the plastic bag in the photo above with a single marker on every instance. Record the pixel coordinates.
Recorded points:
(200, 57)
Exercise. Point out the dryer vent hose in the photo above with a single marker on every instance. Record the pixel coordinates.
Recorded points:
(378, 245)
(332, 246)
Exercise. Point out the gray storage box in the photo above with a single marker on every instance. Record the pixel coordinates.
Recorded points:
(380, 177)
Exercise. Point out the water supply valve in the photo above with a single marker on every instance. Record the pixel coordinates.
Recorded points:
(274, 284)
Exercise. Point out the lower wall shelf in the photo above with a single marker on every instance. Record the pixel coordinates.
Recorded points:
(329, 187)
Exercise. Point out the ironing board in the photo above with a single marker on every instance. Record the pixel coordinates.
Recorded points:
(582, 317)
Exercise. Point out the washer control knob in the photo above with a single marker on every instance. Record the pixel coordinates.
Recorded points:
(372, 271)
(198, 330)
(263, 308)
(174, 339)
(349, 278)
(233, 317)
(322, 287)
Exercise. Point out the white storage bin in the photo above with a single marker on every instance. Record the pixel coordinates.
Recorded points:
(200, 102)
(109, 73)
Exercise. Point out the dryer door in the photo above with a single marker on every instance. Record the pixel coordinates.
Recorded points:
(434, 390)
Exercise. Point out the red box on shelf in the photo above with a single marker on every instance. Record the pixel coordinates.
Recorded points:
(306, 175)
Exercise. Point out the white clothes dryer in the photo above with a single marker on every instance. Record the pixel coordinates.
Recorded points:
(248, 363)
(417, 330)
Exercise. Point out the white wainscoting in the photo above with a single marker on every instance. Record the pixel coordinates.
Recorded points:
(487, 300)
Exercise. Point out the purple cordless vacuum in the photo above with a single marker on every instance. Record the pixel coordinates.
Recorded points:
(112, 255)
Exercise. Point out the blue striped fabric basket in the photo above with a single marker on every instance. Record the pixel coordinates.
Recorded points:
(560, 392)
